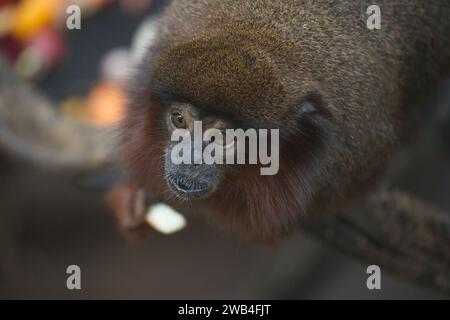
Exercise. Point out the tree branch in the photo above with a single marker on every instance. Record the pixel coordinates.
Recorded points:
(396, 231)
(33, 129)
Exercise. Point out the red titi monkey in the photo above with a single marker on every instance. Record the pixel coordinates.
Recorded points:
(340, 94)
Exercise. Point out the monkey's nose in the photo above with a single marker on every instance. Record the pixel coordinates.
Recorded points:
(187, 188)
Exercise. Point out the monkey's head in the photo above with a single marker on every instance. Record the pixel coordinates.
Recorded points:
(233, 79)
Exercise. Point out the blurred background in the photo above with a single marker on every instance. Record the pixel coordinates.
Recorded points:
(50, 220)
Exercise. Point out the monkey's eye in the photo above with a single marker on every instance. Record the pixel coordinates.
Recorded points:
(178, 120)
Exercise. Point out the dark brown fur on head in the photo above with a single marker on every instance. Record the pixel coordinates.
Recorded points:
(257, 63)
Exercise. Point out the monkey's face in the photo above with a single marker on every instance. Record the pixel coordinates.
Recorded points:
(225, 85)
(193, 179)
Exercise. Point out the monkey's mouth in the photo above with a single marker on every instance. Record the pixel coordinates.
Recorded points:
(188, 189)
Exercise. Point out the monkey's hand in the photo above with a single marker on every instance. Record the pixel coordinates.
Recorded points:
(129, 205)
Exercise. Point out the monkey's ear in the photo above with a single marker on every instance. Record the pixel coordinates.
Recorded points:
(314, 105)
(307, 107)
(314, 121)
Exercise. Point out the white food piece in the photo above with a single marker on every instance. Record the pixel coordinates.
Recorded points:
(165, 219)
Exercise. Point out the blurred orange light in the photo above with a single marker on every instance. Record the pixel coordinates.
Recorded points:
(105, 104)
